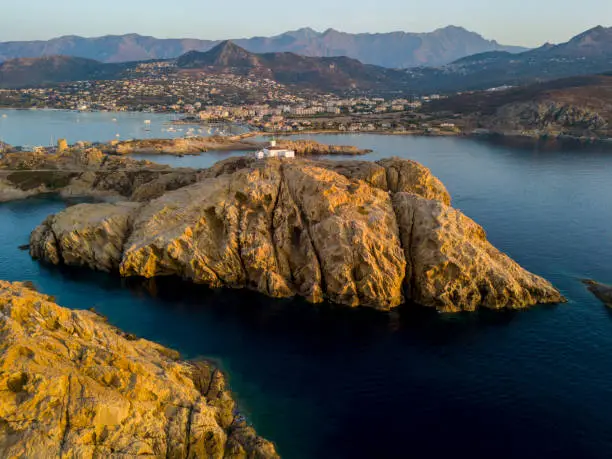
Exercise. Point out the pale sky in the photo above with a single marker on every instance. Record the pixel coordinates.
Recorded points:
(513, 22)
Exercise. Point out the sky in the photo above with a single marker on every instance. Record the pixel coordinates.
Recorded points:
(516, 22)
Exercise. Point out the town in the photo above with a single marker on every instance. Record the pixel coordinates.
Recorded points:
(261, 103)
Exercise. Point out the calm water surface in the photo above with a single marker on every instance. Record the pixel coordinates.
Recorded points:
(325, 382)
(44, 127)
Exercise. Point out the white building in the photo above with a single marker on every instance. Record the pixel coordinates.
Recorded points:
(272, 151)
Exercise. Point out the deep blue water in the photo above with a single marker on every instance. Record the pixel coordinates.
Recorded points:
(328, 382)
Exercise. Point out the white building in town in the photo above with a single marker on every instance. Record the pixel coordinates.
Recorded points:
(272, 151)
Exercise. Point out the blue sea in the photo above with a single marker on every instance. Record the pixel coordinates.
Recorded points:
(29, 128)
(332, 382)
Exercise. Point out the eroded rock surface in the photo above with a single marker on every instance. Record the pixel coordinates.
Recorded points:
(453, 267)
(87, 172)
(354, 233)
(404, 175)
(73, 386)
(90, 235)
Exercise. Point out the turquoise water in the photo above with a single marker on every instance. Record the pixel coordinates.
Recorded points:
(328, 382)
(44, 127)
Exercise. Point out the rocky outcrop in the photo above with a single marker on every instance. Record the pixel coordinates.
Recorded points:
(546, 117)
(87, 172)
(411, 177)
(87, 235)
(452, 265)
(180, 146)
(601, 291)
(288, 228)
(390, 174)
(311, 147)
(73, 386)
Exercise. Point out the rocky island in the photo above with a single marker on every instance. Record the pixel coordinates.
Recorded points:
(198, 145)
(74, 386)
(179, 146)
(601, 291)
(356, 233)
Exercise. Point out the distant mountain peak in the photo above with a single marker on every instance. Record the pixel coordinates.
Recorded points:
(392, 50)
(308, 30)
(598, 32)
(225, 54)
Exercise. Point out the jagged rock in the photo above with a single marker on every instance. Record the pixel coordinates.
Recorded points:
(89, 235)
(156, 187)
(85, 172)
(304, 147)
(288, 228)
(404, 175)
(276, 230)
(390, 174)
(550, 117)
(73, 386)
(601, 291)
(453, 267)
(370, 172)
(179, 146)
(10, 192)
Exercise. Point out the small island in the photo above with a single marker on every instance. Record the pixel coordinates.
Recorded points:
(602, 291)
(198, 145)
(357, 233)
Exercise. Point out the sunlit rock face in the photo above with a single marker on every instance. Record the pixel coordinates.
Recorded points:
(352, 232)
(73, 386)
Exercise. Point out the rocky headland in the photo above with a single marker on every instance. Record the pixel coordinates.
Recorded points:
(86, 172)
(356, 233)
(601, 291)
(74, 386)
(197, 145)
(313, 148)
(180, 146)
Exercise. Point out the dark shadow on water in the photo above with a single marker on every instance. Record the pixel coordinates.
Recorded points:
(283, 319)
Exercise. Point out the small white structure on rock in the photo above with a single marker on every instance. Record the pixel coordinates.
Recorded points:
(272, 151)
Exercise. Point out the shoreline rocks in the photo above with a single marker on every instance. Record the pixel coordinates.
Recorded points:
(601, 291)
(355, 233)
(87, 173)
(75, 386)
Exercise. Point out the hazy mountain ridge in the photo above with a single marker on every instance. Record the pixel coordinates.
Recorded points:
(393, 49)
(318, 73)
(335, 74)
(587, 53)
(48, 70)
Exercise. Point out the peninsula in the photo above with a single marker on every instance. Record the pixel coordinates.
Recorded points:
(197, 145)
(356, 233)
(74, 386)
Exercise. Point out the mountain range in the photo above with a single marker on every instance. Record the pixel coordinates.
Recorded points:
(335, 74)
(587, 53)
(393, 50)
(329, 74)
